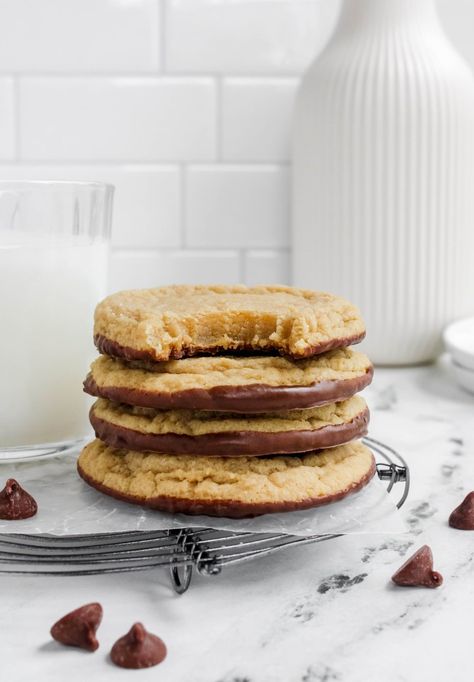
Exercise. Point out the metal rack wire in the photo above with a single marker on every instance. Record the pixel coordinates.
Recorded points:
(205, 550)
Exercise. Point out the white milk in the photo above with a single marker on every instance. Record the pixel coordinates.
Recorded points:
(48, 291)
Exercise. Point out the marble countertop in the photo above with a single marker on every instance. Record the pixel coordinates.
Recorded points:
(322, 613)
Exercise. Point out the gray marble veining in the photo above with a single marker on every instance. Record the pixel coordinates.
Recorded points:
(323, 613)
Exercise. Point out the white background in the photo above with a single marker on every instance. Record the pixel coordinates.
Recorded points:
(185, 105)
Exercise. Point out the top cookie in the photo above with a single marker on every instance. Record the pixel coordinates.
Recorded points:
(180, 321)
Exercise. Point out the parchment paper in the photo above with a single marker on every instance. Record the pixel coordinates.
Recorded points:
(68, 506)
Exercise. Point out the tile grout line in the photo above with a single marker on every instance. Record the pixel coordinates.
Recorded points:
(149, 74)
(163, 10)
(16, 116)
(162, 163)
(170, 250)
(183, 213)
(219, 119)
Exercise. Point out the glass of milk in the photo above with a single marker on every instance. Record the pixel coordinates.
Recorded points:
(53, 270)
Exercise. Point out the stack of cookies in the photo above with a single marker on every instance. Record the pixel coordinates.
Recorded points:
(227, 400)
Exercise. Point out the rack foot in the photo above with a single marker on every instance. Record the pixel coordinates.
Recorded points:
(181, 578)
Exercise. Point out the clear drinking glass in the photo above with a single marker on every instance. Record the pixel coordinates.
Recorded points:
(53, 270)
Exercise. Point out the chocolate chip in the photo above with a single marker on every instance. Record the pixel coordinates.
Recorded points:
(138, 649)
(418, 571)
(16, 503)
(463, 516)
(78, 627)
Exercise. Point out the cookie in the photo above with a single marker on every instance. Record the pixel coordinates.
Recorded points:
(180, 321)
(226, 434)
(234, 487)
(232, 384)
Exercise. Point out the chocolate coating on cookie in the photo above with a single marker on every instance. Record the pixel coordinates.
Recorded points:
(462, 517)
(16, 503)
(231, 444)
(114, 349)
(247, 399)
(418, 571)
(138, 649)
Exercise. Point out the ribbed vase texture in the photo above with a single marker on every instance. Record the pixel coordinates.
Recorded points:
(383, 176)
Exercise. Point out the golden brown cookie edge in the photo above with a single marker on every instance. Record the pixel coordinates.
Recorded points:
(234, 509)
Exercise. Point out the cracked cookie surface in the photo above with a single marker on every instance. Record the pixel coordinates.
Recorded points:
(240, 384)
(233, 487)
(180, 321)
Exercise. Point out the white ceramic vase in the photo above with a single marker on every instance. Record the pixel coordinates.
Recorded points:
(383, 176)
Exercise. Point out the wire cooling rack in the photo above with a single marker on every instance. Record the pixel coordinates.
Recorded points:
(182, 551)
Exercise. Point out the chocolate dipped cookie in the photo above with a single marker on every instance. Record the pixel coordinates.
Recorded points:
(232, 487)
(226, 434)
(231, 384)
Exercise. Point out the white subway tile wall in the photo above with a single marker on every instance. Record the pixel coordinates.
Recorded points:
(69, 36)
(256, 118)
(185, 106)
(118, 119)
(236, 206)
(245, 36)
(267, 266)
(149, 268)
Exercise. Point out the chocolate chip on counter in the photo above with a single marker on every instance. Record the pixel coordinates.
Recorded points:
(418, 571)
(78, 627)
(463, 516)
(138, 649)
(16, 503)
